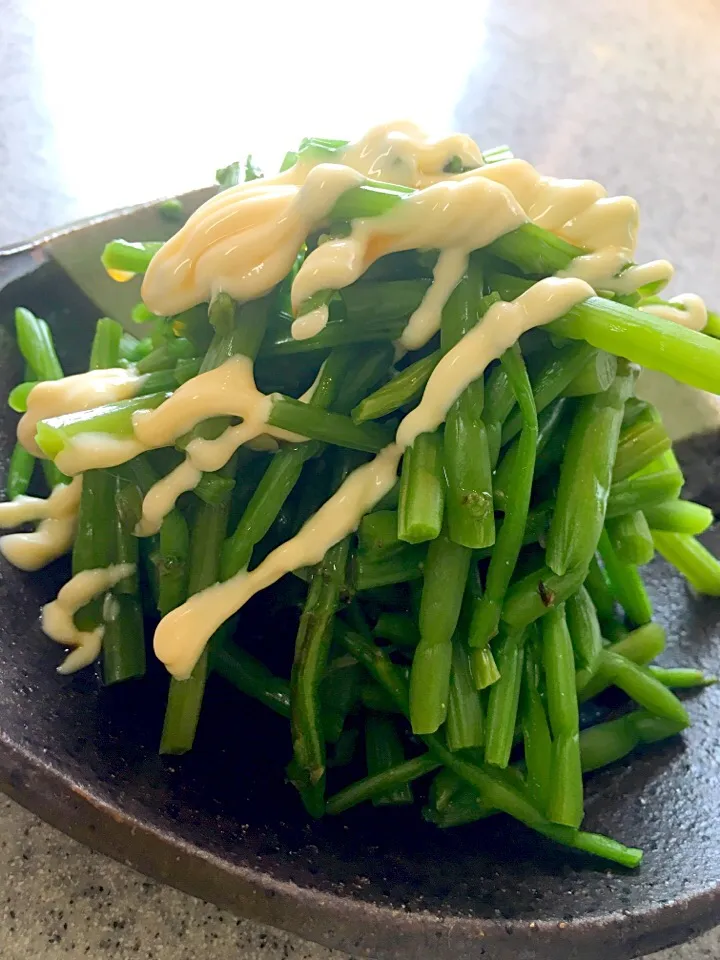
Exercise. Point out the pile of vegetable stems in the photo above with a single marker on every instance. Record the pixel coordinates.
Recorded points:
(484, 601)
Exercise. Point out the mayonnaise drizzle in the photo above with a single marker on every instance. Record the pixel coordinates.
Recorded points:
(456, 216)
(161, 497)
(211, 455)
(228, 390)
(499, 329)
(54, 535)
(83, 391)
(690, 311)
(58, 616)
(245, 240)
(310, 323)
(96, 451)
(182, 635)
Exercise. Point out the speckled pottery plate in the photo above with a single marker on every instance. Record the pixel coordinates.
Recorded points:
(222, 825)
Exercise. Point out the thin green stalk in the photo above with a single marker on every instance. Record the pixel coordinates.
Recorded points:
(553, 378)
(498, 789)
(484, 668)
(20, 471)
(679, 516)
(531, 597)
(404, 388)
(585, 475)
(57, 433)
(640, 443)
(377, 785)
(584, 627)
(251, 676)
(105, 350)
(123, 651)
(35, 342)
(465, 723)
(565, 803)
(36, 345)
(487, 610)
(692, 559)
(643, 490)
(639, 684)
(595, 377)
(549, 422)
(609, 742)
(103, 539)
(504, 699)
(627, 584)
(641, 646)
(281, 475)
(645, 339)
(422, 490)
(170, 554)
(318, 424)
(185, 697)
(631, 538)
(397, 628)
(337, 333)
(382, 301)
(374, 697)
(377, 534)
(444, 578)
(312, 646)
(401, 566)
(537, 740)
(640, 337)
(598, 586)
(339, 693)
(133, 257)
(384, 752)
(466, 456)
(681, 678)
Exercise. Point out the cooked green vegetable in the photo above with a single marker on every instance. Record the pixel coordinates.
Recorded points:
(424, 461)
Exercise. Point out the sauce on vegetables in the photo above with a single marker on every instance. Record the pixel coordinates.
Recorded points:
(243, 242)
(687, 309)
(83, 391)
(54, 534)
(181, 636)
(58, 616)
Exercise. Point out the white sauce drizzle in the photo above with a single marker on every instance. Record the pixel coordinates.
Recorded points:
(453, 213)
(228, 390)
(245, 240)
(604, 271)
(58, 616)
(690, 311)
(182, 635)
(499, 329)
(456, 216)
(424, 323)
(96, 451)
(54, 535)
(83, 391)
(211, 455)
(161, 497)
(310, 323)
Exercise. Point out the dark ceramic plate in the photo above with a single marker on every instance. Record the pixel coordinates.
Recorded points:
(222, 825)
